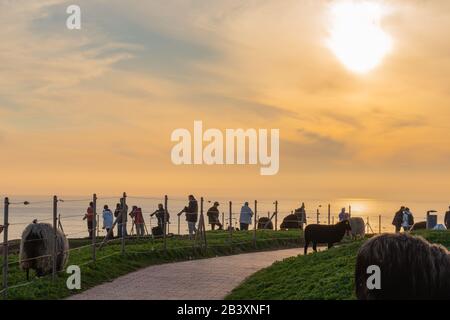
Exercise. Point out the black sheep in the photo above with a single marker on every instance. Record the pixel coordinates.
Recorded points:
(422, 225)
(410, 268)
(265, 223)
(291, 222)
(317, 233)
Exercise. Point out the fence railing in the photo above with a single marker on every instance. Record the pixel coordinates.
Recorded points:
(228, 220)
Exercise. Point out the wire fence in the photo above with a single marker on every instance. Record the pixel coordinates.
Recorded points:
(165, 229)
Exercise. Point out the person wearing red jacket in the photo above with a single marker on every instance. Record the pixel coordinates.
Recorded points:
(89, 216)
(136, 215)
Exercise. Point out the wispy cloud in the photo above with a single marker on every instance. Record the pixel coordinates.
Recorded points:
(139, 69)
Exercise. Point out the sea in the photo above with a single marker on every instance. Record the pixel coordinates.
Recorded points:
(70, 210)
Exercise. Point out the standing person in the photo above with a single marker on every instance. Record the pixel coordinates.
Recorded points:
(343, 215)
(398, 219)
(123, 214)
(245, 218)
(447, 219)
(191, 212)
(108, 221)
(160, 212)
(407, 219)
(138, 219)
(118, 220)
(301, 215)
(213, 216)
(89, 216)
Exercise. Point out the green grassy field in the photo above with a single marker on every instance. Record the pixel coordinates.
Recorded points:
(139, 253)
(324, 275)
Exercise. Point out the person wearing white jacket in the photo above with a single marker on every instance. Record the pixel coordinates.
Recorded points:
(108, 221)
(246, 216)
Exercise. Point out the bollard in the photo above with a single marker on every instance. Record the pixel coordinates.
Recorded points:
(5, 248)
(94, 224)
(55, 215)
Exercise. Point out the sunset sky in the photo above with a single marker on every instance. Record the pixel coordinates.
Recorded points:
(92, 110)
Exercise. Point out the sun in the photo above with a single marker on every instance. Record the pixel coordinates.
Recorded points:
(356, 36)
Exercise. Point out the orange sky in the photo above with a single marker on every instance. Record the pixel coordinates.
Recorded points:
(92, 110)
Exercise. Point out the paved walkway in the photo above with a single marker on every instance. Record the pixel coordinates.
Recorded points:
(198, 279)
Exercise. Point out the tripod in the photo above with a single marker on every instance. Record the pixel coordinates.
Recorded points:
(368, 226)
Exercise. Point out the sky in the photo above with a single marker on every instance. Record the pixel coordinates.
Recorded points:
(92, 110)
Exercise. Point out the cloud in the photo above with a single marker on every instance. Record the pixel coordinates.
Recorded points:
(313, 150)
(43, 65)
(106, 98)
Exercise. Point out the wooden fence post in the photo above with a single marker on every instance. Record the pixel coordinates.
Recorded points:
(231, 225)
(178, 225)
(55, 226)
(203, 226)
(379, 223)
(94, 224)
(5, 247)
(329, 213)
(276, 215)
(255, 222)
(124, 219)
(166, 199)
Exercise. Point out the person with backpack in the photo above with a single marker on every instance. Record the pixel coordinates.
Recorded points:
(213, 216)
(398, 219)
(407, 219)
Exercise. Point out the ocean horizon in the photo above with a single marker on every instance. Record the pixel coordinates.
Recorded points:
(71, 210)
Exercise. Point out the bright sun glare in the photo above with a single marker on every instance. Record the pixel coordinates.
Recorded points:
(356, 36)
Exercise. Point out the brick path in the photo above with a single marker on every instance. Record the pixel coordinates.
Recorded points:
(199, 279)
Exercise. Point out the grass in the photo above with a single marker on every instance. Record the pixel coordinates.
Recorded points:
(139, 253)
(324, 275)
